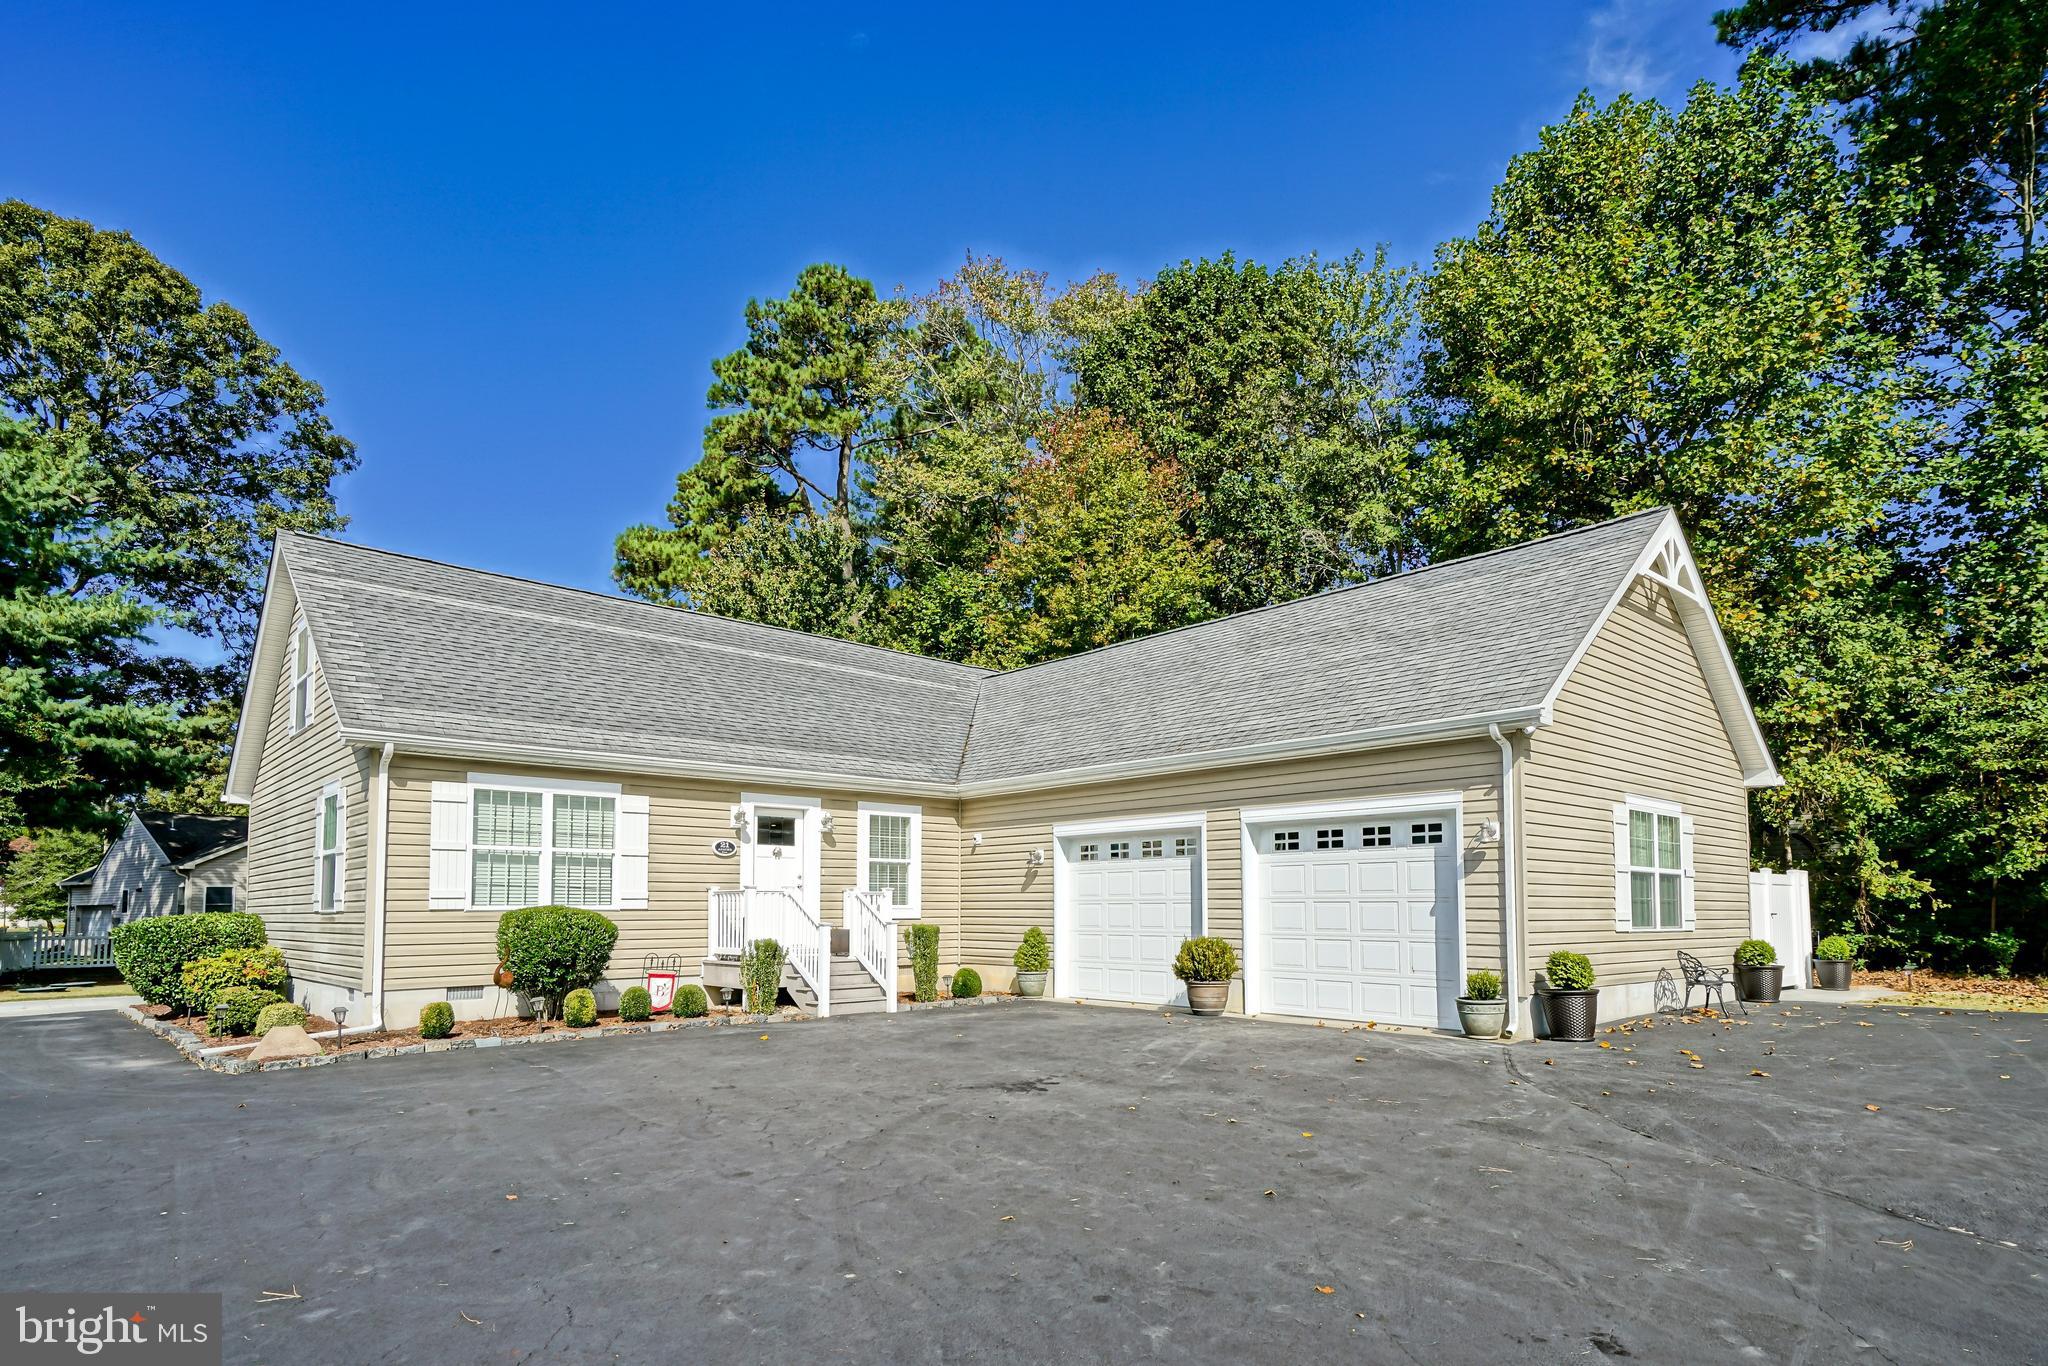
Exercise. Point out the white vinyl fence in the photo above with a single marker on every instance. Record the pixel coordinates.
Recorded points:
(1779, 912)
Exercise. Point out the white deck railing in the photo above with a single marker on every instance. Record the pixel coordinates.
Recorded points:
(741, 915)
(870, 919)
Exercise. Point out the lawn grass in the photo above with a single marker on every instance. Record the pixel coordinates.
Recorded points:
(101, 989)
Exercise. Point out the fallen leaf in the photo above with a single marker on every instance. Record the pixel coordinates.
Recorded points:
(467, 1319)
(1269, 1195)
(1605, 1044)
(1865, 1024)
(511, 1197)
(1758, 1072)
(1306, 1134)
(1872, 1108)
(1007, 1218)
(1548, 1063)
(1326, 1290)
(1905, 1245)
(1358, 1060)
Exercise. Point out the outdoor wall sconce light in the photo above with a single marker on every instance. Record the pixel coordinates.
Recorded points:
(977, 839)
(738, 817)
(1036, 858)
(825, 822)
(1489, 832)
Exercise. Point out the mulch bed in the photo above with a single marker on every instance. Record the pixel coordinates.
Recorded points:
(502, 1027)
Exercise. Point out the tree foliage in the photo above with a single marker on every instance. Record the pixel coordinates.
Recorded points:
(30, 878)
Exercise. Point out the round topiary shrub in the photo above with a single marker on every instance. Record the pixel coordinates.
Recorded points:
(1755, 953)
(234, 1009)
(1568, 971)
(152, 952)
(691, 1003)
(1034, 954)
(1482, 986)
(279, 1013)
(966, 984)
(1205, 958)
(579, 1008)
(1835, 949)
(203, 978)
(635, 1005)
(437, 1020)
(553, 950)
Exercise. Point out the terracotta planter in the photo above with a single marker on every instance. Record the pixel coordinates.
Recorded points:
(1571, 1015)
(1761, 984)
(1831, 974)
(1482, 1019)
(1030, 983)
(1208, 998)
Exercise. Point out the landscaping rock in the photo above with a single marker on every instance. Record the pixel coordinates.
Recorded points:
(285, 1041)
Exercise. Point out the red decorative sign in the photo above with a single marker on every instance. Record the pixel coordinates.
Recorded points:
(661, 986)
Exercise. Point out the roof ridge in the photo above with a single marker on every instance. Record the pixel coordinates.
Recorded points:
(1341, 589)
(622, 600)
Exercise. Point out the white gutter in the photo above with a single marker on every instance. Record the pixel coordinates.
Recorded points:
(1508, 954)
(379, 847)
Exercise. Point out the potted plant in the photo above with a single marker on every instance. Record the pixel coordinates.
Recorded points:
(1831, 963)
(1482, 1010)
(1571, 1003)
(1759, 976)
(1206, 964)
(1033, 959)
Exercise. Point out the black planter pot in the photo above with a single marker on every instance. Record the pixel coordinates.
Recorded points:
(1831, 974)
(1570, 1015)
(1760, 984)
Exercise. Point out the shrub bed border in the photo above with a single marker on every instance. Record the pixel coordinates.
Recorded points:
(195, 1046)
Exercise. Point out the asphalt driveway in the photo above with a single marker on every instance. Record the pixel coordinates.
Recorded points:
(1065, 1183)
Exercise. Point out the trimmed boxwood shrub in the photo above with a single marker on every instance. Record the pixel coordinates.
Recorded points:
(966, 984)
(437, 1020)
(553, 950)
(1755, 953)
(1482, 986)
(579, 1008)
(635, 1005)
(691, 1003)
(1835, 949)
(924, 961)
(1034, 954)
(1568, 971)
(151, 953)
(761, 974)
(1205, 958)
(205, 977)
(234, 1009)
(279, 1013)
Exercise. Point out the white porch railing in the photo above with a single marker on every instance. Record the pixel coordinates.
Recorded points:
(870, 919)
(739, 916)
(63, 949)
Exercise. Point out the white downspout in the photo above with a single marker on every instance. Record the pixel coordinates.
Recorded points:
(380, 846)
(1508, 955)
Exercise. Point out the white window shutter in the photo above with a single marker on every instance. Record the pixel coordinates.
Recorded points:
(319, 810)
(629, 871)
(1685, 861)
(448, 876)
(1622, 920)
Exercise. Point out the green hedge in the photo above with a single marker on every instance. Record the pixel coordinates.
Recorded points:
(966, 984)
(761, 974)
(1034, 954)
(1568, 971)
(924, 961)
(204, 978)
(279, 1013)
(579, 1008)
(553, 950)
(235, 1009)
(635, 1005)
(691, 1003)
(437, 1020)
(151, 953)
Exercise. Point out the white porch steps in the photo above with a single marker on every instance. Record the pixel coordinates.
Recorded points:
(854, 989)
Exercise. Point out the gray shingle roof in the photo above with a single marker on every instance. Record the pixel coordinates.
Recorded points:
(413, 648)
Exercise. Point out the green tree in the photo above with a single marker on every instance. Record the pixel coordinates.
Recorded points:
(202, 438)
(783, 569)
(1095, 552)
(31, 876)
(1279, 393)
(73, 733)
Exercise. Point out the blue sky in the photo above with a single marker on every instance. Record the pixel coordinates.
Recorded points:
(509, 241)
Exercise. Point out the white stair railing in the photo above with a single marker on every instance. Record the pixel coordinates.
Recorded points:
(777, 915)
(728, 922)
(871, 932)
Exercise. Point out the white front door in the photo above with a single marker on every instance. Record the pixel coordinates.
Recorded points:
(1132, 902)
(778, 851)
(1361, 918)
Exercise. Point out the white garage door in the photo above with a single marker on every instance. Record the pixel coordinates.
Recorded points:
(1361, 919)
(1132, 900)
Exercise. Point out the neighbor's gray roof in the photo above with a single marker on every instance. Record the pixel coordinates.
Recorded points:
(413, 648)
(1476, 637)
(417, 649)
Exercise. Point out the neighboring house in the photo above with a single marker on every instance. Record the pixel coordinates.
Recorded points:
(160, 864)
(1369, 791)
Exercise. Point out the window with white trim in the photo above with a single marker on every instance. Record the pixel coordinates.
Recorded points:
(889, 861)
(1656, 877)
(523, 839)
(302, 677)
(330, 842)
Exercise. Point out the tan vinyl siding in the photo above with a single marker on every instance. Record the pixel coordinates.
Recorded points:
(1634, 719)
(437, 949)
(1005, 895)
(278, 879)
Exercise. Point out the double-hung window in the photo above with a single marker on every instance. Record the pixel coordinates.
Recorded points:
(302, 677)
(889, 861)
(523, 840)
(330, 845)
(1652, 866)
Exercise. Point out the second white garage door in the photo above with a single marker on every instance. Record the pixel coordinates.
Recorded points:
(1133, 900)
(1360, 919)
